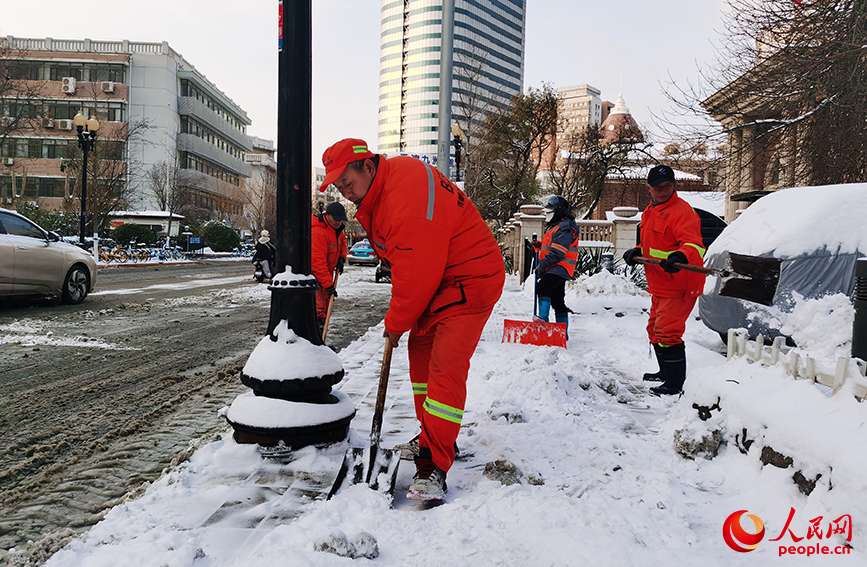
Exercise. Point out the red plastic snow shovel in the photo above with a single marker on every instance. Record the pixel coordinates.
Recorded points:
(752, 278)
(372, 465)
(539, 333)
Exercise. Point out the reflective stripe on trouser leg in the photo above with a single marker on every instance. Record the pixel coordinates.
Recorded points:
(667, 321)
(448, 346)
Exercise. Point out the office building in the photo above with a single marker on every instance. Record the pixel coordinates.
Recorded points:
(191, 122)
(488, 67)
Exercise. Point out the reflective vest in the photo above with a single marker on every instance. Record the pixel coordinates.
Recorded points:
(670, 227)
(570, 253)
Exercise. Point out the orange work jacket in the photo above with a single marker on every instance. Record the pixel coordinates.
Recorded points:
(444, 259)
(670, 227)
(326, 246)
(551, 242)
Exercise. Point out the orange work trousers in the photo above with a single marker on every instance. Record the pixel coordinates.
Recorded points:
(667, 320)
(321, 303)
(439, 362)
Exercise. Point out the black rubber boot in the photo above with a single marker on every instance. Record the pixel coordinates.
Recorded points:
(658, 376)
(674, 368)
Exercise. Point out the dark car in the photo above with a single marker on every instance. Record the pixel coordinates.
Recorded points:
(383, 273)
(361, 253)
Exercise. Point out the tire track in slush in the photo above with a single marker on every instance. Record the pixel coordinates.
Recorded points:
(82, 429)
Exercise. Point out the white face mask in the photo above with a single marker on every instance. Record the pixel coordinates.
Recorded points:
(549, 214)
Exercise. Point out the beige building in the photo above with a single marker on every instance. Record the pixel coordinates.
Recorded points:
(120, 83)
(580, 107)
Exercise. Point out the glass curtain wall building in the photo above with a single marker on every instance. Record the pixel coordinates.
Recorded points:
(488, 67)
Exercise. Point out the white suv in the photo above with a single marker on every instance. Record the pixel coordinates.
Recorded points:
(34, 261)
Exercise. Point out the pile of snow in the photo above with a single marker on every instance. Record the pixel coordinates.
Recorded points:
(567, 462)
(290, 357)
(822, 326)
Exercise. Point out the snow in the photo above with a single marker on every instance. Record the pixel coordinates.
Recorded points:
(792, 221)
(290, 357)
(599, 481)
(270, 413)
(713, 202)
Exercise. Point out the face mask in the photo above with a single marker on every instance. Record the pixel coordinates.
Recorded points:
(549, 214)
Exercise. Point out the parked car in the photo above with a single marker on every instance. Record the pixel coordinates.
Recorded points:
(361, 253)
(818, 233)
(34, 261)
(383, 273)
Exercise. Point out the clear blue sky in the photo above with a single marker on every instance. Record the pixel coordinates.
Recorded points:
(569, 42)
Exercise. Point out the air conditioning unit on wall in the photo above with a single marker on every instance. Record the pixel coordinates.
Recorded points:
(107, 87)
(8, 161)
(64, 124)
(68, 85)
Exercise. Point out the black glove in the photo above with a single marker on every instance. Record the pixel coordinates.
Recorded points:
(331, 291)
(667, 264)
(340, 262)
(540, 271)
(630, 254)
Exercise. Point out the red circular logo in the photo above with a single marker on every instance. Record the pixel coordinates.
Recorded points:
(737, 538)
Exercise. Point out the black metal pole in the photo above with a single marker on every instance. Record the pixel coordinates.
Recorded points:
(294, 104)
(83, 142)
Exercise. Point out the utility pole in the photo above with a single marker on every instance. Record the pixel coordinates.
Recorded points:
(445, 107)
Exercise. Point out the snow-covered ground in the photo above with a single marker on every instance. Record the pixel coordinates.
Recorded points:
(588, 469)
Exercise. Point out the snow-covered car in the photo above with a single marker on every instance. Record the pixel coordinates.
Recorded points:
(361, 253)
(818, 233)
(34, 261)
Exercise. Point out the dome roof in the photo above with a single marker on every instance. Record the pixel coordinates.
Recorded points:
(620, 125)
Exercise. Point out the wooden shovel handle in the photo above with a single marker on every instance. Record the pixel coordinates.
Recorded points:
(330, 309)
(687, 267)
(376, 427)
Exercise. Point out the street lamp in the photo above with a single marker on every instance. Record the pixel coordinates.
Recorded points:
(458, 138)
(86, 138)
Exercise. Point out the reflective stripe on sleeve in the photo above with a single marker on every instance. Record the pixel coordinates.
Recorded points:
(430, 195)
(701, 250)
(443, 411)
(419, 389)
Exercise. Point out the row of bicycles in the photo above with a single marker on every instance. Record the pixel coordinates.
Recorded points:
(134, 254)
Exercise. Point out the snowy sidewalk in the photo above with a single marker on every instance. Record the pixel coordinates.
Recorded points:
(597, 480)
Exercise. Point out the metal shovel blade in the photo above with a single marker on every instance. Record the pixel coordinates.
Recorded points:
(537, 333)
(754, 278)
(372, 465)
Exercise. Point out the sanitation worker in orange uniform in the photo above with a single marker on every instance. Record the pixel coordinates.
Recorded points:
(670, 230)
(446, 276)
(327, 254)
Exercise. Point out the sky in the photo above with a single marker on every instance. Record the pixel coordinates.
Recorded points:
(234, 44)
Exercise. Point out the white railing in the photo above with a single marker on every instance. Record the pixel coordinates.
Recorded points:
(797, 364)
(595, 231)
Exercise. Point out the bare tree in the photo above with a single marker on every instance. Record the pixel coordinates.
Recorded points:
(110, 167)
(20, 90)
(162, 179)
(789, 88)
(580, 171)
(508, 153)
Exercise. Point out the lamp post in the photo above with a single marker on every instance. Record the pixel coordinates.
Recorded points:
(458, 138)
(86, 137)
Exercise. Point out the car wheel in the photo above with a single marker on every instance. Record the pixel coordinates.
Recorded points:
(76, 285)
(377, 278)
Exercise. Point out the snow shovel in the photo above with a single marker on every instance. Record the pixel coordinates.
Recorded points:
(540, 333)
(330, 309)
(745, 277)
(372, 465)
